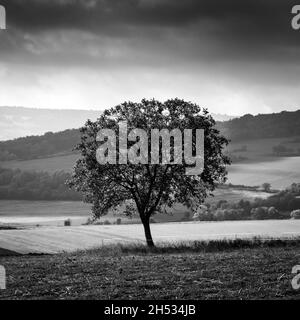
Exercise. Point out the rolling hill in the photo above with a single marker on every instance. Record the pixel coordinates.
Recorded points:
(18, 122)
(275, 125)
(247, 128)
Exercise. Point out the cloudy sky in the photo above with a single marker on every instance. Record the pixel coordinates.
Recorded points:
(230, 56)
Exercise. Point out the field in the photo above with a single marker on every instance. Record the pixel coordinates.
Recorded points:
(202, 271)
(260, 165)
(25, 213)
(58, 239)
(258, 150)
(54, 213)
(280, 172)
(51, 164)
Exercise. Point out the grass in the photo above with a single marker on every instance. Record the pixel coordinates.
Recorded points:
(238, 269)
(193, 246)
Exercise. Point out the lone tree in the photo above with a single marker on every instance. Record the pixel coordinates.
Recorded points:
(149, 187)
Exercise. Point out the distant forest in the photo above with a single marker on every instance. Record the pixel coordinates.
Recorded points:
(277, 125)
(28, 185)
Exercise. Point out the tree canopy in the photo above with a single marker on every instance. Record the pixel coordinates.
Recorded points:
(148, 187)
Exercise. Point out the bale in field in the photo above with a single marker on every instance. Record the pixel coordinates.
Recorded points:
(67, 223)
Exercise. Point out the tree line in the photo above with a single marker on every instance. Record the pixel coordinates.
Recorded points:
(30, 185)
(277, 206)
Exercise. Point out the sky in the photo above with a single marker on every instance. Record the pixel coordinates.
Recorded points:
(230, 56)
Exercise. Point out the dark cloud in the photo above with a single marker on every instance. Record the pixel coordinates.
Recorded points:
(239, 29)
(100, 15)
(234, 43)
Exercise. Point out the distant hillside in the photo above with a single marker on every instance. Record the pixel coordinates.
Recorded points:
(34, 147)
(275, 125)
(18, 122)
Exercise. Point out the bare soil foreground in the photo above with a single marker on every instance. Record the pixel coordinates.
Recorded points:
(238, 269)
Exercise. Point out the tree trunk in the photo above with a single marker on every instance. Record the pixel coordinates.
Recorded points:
(146, 224)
